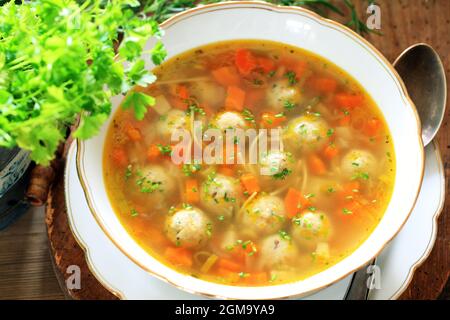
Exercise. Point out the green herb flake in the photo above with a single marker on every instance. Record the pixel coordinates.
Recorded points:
(284, 235)
(282, 174)
(292, 77)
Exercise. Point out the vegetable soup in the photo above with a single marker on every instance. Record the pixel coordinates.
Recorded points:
(322, 194)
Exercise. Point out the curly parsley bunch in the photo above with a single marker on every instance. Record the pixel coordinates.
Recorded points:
(57, 61)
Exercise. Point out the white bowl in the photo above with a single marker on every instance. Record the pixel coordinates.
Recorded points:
(301, 28)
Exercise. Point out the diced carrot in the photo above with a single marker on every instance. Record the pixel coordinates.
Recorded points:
(372, 127)
(245, 61)
(350, 188)
(344, 121)
(132, 132)
(330, 151)
(271, 119)
(266, 64)
(235, 98)
(182, 92)
(229, 265)
(119, 156)
(226, 76)
(322, 84)
(192, 191)
(240, 254)
(256, 278)
(316, 165)
(300, 68)
(179, 256)
(228, 275)
(349, 101)
(227, 170)
(294, 202)
(153, 152)
(250, 183)
(178, 103)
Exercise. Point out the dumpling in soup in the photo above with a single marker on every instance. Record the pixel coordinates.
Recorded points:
(188, 228)
(264, 215)
(219, 194)
(307, 132)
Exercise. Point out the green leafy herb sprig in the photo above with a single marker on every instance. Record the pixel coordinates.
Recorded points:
(57, 61)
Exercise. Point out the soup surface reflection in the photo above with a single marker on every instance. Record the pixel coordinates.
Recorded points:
(326, 190)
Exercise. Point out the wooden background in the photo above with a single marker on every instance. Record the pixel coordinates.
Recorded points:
(25, 264)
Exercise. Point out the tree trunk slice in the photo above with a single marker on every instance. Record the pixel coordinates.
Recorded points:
(403, 23)
(64, 249)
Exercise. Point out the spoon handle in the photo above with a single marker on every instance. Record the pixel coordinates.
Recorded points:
(358, 288)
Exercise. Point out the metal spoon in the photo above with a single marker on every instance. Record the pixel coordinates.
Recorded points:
(423, 73)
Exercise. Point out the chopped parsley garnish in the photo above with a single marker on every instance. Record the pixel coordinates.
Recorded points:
(221, 218)
(330, 132)
(243, 274)
(284, 235)
(189, 169)
(312, 208)
(164, 149)
(248, 115)
(346, 211)
(134, 213)
(331, 190)
(361, 175)
(186, 206)
(148, 186)
(288, 105)
(128, 171)
(194, 108)
(282, 174)
(209, 230)
(292, 77)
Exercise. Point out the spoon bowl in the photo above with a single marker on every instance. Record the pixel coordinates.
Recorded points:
(423, 73)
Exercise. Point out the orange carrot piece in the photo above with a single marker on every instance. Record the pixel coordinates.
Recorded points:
(179, 256)
(271, 119)
(300, 68)
(346, 100)
(256, 278)
(350, 188)
(229, 265)
(132, 132)
(330, 151)
(323, 85)
(245, 61)
(226, 76)
(266, 64)
(372, 127)
(153, 152)
(228, 275)
(192, 191)
(182, 92)
(235, 98)
(316, 165)
(250, 183)
(119, 156)
(294, 202)
(226, 170)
